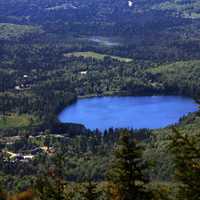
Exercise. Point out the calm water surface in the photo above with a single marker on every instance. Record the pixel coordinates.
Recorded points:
(129, 112)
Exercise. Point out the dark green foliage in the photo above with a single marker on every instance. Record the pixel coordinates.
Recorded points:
(186, 150)
(90, 192)
(37, 80)
(50, 184)
(179, 78)
(127, 170)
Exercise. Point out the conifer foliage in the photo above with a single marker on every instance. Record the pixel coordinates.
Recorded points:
(186, 151)
(50, 185)
(91, 192)
(127, 171)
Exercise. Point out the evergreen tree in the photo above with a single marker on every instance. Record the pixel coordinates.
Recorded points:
(50, 185)
(186, 151)
(127, 171)
(90, 192)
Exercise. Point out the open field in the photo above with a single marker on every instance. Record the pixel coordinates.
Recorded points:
(15, 121)
(98, 56)
(11, 31)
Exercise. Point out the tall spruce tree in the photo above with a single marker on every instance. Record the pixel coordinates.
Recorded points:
(50, 184)
(127, 170)
(186, 151)
(90, 191)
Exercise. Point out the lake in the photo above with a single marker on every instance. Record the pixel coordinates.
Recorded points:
(128, 112)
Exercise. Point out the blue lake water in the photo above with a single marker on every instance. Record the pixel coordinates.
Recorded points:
(128, 112)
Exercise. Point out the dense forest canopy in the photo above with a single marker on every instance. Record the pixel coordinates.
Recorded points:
(53, 52)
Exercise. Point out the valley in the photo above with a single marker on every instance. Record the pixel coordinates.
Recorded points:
(55, 54)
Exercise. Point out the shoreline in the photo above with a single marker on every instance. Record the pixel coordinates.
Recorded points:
(148, 96)
(125, 94)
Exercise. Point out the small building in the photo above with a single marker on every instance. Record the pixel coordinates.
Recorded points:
(83, 72)
(28, 157)
(17, 87)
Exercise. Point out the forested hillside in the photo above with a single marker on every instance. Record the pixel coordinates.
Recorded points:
(54, 52)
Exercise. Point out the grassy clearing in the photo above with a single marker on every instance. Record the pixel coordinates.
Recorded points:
(16, 121)
(177, 68)
(10, 31)
(98, 56)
